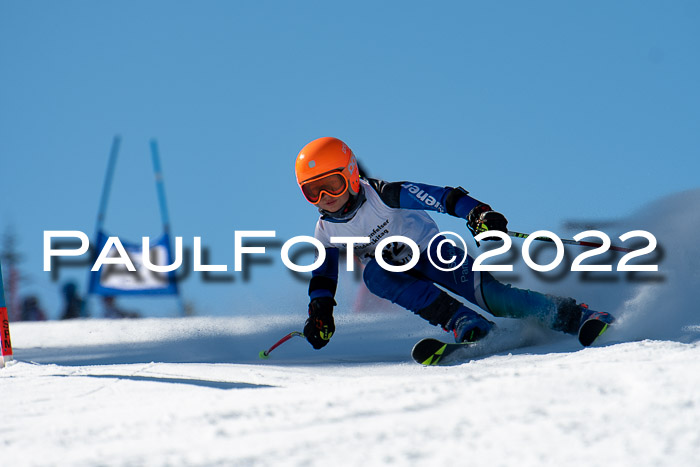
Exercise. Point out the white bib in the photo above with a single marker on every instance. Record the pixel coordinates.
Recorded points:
(376, 220)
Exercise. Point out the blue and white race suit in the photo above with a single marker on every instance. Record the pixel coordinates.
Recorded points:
(398, 208)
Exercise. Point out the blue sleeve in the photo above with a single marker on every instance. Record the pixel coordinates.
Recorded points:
(453, 201)
(324, 279)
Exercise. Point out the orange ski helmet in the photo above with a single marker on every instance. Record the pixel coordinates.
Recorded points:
(327, 165)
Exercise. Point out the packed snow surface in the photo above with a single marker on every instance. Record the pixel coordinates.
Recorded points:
(193, 391)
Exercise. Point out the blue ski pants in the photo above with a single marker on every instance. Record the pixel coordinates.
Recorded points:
(418, 288)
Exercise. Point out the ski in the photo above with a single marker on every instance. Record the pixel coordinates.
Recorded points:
(434, 352)
(593, 327)
(430, 352)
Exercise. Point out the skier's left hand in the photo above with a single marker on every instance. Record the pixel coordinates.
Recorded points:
(483, 218)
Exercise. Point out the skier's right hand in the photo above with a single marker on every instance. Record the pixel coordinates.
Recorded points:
(320, 326)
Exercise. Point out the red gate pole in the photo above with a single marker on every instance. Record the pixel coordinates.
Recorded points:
(5, 342)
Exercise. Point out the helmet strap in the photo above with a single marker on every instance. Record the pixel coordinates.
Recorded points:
(348, 210)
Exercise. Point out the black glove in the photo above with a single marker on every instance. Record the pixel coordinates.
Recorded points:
(483, 218)
(320, 326)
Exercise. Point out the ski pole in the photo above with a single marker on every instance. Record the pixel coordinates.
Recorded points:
(569, 242)
(266, 353)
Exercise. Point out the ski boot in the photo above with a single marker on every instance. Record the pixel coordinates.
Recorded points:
(581, 321)
(468, 326)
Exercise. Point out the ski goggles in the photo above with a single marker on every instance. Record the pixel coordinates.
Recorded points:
(333, 184)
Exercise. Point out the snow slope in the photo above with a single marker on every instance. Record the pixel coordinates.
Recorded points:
(193, 391)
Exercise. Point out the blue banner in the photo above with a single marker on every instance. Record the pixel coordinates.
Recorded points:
(116, 279)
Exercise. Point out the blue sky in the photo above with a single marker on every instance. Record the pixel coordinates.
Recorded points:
(547, 110)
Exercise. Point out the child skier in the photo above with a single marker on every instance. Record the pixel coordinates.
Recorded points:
(327, 173)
